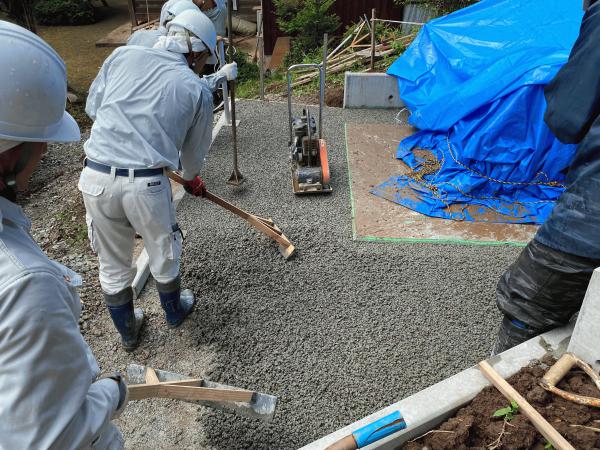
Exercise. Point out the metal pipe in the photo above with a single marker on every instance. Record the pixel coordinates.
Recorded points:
(236, 177)
(261, 52)
(323, 73)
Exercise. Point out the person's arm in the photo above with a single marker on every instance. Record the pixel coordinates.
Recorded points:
(96, 92)
(47, 395)
(573, 96)
(214, 80)
(198, 139)
(226, 73)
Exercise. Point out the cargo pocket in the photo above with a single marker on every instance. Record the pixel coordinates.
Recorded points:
(91, 189)
(176, 246)
(90, 229)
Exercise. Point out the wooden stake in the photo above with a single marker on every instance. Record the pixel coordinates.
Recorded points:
(373, 12)
(541, 424)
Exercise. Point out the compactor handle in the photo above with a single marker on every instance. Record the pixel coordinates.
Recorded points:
(321, 70)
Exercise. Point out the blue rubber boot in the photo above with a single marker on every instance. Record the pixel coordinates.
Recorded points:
(176, 303)
(128, 321)
(512, 332)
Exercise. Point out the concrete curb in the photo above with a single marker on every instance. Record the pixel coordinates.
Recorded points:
(371, 90)
(586, 335)
(422, 412)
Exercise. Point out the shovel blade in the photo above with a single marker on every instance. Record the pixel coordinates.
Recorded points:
(262, 407)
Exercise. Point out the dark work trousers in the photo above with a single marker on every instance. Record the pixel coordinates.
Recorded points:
(542, 290)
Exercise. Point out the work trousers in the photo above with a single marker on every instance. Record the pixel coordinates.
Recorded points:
(542, 290)
(116, 208)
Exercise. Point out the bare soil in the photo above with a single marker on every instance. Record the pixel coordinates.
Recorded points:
(474, 428)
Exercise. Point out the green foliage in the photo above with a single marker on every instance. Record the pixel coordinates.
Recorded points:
(246, 70)
(548, 446)
(65, 12)
(306, 21)
(440, 6)
(507, 413)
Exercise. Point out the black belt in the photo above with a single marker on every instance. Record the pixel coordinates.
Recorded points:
(137, 173)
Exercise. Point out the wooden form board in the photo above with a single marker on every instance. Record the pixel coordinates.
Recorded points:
(371, 150)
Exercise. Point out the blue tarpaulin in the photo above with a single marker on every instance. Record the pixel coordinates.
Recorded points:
(473, 82)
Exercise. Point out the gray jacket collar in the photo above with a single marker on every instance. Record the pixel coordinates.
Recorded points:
(11, 212)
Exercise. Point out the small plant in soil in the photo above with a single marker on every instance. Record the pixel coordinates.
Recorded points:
(508, 413)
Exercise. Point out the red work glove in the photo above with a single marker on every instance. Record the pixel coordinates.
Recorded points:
(195, 187)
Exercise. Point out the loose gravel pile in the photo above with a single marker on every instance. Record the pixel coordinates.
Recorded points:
(337, 333)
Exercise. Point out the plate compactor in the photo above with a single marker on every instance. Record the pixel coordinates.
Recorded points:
(308, 151)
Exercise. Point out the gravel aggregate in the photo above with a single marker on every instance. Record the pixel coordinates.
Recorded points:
(340, 331)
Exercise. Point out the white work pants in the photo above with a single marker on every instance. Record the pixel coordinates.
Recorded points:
(117, 207)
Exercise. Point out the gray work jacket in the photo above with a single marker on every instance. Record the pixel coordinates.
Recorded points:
(48, 396)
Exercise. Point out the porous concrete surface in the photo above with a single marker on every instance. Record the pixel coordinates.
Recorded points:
(337, 333)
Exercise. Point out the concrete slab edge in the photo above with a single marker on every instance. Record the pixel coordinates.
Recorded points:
(371, 90)
(143, 262)
(428, 408)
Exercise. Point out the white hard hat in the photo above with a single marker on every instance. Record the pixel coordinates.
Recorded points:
(177, 8)
(200, 26)
(164, 11)
(33, 89)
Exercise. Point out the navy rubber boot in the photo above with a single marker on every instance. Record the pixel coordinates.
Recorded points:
(512, 333)
(176, 303)
(128, 321)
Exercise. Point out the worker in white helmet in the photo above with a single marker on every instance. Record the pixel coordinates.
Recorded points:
(151, 112)
(50, 394)
(216, 11)
(170, 10)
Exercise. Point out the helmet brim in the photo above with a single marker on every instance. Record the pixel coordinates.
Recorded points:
(67, 131)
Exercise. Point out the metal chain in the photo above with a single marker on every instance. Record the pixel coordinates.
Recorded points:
(523, 183)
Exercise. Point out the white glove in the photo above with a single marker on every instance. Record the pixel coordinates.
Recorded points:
(230, 71)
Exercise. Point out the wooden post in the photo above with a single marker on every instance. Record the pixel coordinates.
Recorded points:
(261, 52)
(373, 17)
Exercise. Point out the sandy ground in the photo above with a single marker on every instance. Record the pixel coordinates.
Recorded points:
(340, 331)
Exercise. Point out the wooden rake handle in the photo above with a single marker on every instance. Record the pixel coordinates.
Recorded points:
(558, 371)
(538, 421)
(265, 226)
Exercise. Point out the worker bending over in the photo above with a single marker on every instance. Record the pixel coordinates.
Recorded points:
(151, 112)
(170, 10)
(50, 394)
(216, 11)
(546, 286)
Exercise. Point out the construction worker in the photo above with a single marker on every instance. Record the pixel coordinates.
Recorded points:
(546, 286)
(50, 393)
(216, 11)
(151, 112)
(170, 10)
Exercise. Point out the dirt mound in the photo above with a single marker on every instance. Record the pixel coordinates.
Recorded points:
(474, 428)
